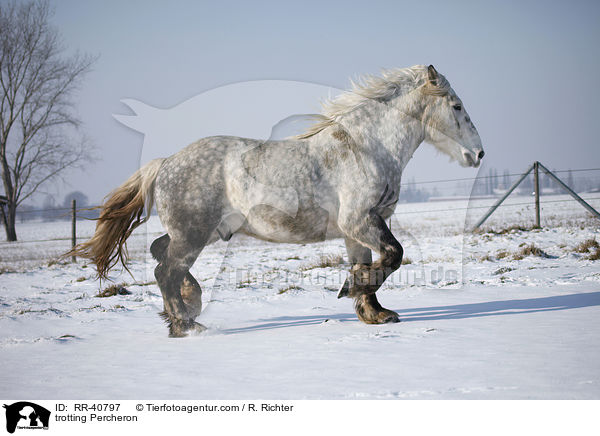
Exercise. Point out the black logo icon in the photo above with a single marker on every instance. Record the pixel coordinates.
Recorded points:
(26, 415)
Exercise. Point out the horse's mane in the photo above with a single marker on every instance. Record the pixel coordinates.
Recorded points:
(391, 83)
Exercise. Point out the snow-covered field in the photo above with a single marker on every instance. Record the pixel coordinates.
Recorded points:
(479, 319)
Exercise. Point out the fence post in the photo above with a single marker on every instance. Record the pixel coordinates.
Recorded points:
(499, 202)
(570, 192)
(73, 228)
(536, 184)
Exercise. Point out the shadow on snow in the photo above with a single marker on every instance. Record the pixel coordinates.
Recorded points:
(459, 311)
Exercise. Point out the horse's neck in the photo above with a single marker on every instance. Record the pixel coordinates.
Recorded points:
(385, 133)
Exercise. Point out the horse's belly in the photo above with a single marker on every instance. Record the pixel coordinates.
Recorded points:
(308, 225)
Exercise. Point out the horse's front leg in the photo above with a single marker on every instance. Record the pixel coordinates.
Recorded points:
(363, 235)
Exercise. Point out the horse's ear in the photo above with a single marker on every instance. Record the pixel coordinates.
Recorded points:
(432, 75)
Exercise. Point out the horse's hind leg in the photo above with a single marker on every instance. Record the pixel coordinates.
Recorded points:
(170, 273)
(190, 290)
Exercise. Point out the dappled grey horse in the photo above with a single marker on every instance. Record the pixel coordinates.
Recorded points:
(339, 179)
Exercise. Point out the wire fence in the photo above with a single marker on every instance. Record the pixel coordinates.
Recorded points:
(91, 212)
(528, 203)
(68, 214)
(496, 176)
(96, 208)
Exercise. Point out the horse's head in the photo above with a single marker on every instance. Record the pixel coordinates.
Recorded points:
(447, 124)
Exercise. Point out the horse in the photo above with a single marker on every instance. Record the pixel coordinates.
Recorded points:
(339, 179)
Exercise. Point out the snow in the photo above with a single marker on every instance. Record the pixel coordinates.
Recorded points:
(475, 324)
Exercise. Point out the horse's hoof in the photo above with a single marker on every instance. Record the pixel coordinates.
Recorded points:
(181, 329)
(381, 317)
(387, 316)
(177, 333)
(390, 318)
(197, 328)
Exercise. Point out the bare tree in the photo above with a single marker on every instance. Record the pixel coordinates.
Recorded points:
(38, 129)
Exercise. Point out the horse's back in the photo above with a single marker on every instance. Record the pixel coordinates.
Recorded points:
(190, 187)
(276, 186)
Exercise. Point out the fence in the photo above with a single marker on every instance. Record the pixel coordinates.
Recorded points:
(90, 211)
(535, 169)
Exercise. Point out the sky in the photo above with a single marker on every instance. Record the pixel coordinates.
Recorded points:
(524, 70)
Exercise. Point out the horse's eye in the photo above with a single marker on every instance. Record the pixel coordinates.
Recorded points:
(457, 107)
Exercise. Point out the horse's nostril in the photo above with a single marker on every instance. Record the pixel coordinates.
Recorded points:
(481, 154)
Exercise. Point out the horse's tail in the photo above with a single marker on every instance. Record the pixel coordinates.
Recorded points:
(121, 214)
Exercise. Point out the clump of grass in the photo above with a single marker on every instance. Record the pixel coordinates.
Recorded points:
(80, 279)
(57, 261)
(4, 270)
(487, 258)
(94, 307)
(502, 254)
(529, 250)
(589, 247)
(250, 278)
(506, 230)
(290, 288)
(328, 261)
(406, 261)
(113, 290)
(49, 310)
(438, 259)
(503, 270)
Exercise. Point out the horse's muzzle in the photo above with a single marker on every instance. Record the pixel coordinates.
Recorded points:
(473, 159)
